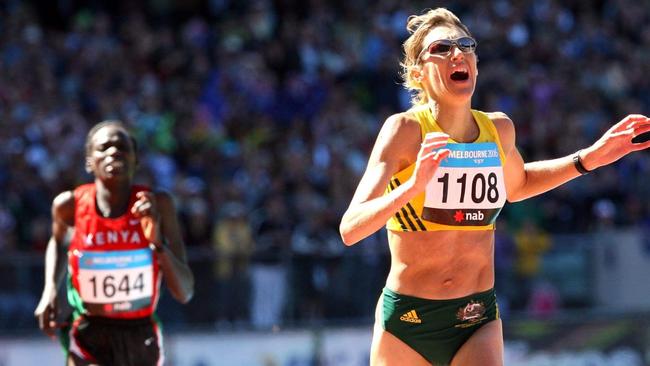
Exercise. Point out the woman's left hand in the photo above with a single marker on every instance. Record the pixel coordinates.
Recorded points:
(617, 142)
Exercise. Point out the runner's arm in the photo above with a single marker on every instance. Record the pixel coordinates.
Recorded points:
(524, 180)
(397, 143)
(55, 260)
(172, 256)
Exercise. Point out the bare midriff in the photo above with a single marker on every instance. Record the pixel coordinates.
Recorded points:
(441, 264)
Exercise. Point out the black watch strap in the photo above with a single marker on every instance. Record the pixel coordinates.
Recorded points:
(577, 162)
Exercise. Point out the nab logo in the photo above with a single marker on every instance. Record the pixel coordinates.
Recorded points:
(122, 306)
(461, 216)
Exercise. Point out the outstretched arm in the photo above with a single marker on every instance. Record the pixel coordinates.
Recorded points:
(160, 226)
(397, 145)
(524, 180)
(55, 261)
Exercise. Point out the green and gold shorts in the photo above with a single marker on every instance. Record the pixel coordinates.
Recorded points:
(436, 329)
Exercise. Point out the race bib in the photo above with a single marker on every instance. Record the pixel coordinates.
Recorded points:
(116, 281)
(468, 188)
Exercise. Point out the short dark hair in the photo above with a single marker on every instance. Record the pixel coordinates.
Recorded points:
(110, 122)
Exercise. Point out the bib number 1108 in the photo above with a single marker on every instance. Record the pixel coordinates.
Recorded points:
(480, 187)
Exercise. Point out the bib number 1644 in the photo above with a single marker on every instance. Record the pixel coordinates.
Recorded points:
(116, 286)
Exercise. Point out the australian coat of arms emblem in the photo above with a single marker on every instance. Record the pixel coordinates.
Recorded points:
(471, 313)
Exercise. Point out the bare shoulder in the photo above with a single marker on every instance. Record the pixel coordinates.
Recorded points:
(63, 207)
(501, 120)
(400, 137)
(505, 127)
(402, 123)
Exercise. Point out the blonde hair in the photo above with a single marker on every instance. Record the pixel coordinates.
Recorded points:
(419, 26)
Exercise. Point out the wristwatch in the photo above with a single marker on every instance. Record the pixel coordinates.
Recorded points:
(577, 162)
(157, 248)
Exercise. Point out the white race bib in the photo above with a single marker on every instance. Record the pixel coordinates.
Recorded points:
(468, 188)
(117, 280)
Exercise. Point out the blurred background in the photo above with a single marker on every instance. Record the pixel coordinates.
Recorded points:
(258, 116)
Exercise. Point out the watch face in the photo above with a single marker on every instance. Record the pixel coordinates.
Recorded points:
(156, 248)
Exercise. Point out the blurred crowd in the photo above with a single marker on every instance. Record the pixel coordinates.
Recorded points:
(258, 116)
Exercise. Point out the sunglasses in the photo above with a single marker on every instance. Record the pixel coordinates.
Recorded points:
(443, 47)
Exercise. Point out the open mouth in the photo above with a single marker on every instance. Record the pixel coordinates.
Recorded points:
(115, 165)
(116, 162)
(459, 75)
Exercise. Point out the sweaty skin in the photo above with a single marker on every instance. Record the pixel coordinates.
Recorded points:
(449, 264)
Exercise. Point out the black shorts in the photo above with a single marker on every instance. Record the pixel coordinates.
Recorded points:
(123, 342)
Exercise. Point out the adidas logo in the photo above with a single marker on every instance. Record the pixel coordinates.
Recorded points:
(411, 317)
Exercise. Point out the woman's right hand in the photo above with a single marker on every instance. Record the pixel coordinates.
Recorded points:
(429, 158)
